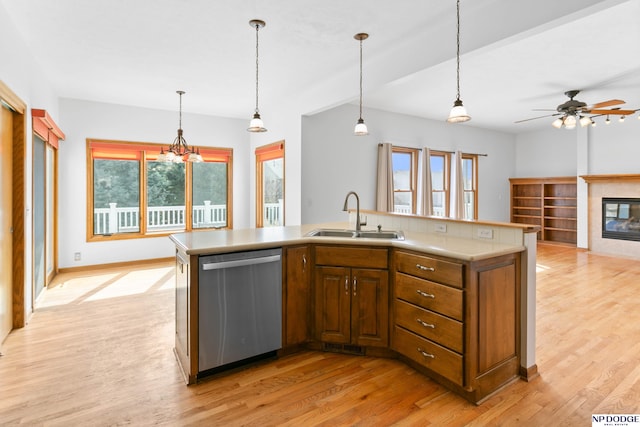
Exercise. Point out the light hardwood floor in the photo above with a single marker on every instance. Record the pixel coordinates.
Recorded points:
(98, 351)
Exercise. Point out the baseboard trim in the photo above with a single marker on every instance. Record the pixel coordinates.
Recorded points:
(529, 373)
(122, 264)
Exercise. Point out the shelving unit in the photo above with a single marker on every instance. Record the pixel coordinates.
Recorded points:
(549, 203)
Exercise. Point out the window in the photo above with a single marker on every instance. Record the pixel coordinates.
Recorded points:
(405, 179)
(130, 194)
(270, 185)
(440, 162)
(470, 185)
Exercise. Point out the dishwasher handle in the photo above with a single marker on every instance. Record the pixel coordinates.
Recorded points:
(240, 262)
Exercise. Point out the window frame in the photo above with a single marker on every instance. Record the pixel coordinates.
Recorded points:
(265, 153)
(446, 176)
(413, 175)
(474, 181)
(145, 152)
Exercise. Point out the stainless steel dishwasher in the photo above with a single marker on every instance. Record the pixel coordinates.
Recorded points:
(239, 307)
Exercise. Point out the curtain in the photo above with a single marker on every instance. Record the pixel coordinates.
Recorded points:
(457, 188)
(384, 189)
(425, 181)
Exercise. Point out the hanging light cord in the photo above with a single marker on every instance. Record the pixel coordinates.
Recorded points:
(180, 114)
(361, 78)
(458, 53)
(257, 44)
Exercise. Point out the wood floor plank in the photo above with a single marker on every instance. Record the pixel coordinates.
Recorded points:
(98, 351)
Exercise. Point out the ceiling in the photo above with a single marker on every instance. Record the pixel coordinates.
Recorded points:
(516, 56)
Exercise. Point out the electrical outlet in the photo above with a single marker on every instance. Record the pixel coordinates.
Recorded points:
(440, 228)
(485, 233)
(77, 256)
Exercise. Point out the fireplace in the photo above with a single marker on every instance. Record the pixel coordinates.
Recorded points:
(621, 218)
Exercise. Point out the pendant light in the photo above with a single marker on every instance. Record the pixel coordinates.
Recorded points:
(361, 127)
(458, 113)
(179, 151)
(256, 124)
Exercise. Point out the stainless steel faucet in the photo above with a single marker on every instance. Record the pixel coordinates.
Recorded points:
(359, 224)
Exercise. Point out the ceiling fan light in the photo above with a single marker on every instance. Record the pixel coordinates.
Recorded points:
(593, 123)
(621, 119)
(608, 121)
(557, 123)
(458, 113)
(361, 128)
(585, 121)
(570, 122)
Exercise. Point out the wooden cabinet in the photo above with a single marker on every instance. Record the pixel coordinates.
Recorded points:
(296, 296)
(352, 296)
(458, 321)
(549, 203)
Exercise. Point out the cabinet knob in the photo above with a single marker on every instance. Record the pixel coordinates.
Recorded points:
(423, 268)
(425, 354)
(425, 294)
(346, 285)
(355, 285)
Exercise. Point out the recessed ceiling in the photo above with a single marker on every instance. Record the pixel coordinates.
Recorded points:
(516, 56)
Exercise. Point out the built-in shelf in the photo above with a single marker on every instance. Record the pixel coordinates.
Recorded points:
(549, 203)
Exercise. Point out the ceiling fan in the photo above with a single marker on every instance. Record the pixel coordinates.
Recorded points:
(573, 111)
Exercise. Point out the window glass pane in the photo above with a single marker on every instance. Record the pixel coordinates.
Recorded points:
(401, 171)
(209, 184)
(437, 173)
(402, 202)
(165, 196)
(438, 203)
(116, 196)
(469, 204)
(272, 192)
(467, 174)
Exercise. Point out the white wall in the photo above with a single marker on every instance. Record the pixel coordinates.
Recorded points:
(615, 148)
(82, 119)
(20, 72)
(547, 153)
(334, 161)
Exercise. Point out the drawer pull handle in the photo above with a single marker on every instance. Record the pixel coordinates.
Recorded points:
(425, 294)
(425, 354)
(423, 268)
(425, 324)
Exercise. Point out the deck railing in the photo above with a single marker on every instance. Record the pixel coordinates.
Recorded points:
(114, 219)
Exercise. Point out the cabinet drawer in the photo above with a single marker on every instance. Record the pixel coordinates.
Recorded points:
(449, 273)
(442, 330)
(362, 257)
(433, 296)
(428, 354)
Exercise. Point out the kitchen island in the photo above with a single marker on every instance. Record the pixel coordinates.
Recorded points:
(452, 306)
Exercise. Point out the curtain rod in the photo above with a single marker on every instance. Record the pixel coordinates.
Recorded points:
(442, 151)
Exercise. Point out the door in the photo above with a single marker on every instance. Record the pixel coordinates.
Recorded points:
(333, 302)
(296, 295)
(370, 307)
(6, 221)
(43, 214)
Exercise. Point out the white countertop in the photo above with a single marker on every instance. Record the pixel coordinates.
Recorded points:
(224, 241)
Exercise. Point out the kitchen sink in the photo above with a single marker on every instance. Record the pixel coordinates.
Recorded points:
(353, 234)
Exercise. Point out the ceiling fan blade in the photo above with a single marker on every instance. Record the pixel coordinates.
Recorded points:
(612, 112)
(536, 118)
(608, 103)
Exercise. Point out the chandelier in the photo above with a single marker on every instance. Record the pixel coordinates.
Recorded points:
(179, 151)
(458, 113)
(256, 124)
(361, 127)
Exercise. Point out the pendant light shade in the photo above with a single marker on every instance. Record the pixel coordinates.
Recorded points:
(458, 113)
(256, 124)
(361, 127)
(179, 151)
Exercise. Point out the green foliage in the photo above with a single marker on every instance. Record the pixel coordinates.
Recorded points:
(116, 181)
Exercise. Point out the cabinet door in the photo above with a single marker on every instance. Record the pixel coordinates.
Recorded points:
(332, 298)
(296, 303)
(370, 307)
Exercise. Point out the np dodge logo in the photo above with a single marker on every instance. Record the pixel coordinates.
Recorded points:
(615, 420)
